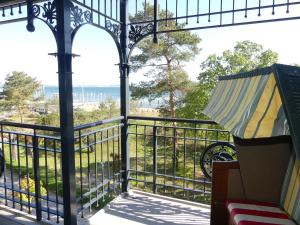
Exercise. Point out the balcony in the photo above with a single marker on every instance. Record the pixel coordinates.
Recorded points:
(164, 161)
(67, 174)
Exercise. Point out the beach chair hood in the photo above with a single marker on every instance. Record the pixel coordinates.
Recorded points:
(259, 104)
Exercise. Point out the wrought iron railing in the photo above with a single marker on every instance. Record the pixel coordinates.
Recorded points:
(32, 178)
(165, 155)
(164, 159)
(98, 162)
(101, 11)
(197, 14)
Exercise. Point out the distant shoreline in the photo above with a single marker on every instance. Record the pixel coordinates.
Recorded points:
(96, 86)
(91, 96)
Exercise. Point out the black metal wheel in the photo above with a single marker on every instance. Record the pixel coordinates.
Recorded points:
(219, 151)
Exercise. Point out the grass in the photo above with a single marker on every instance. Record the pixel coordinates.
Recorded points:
(23, 165)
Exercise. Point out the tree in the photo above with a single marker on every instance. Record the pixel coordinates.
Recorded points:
(246, 56)
(167, 79)
(194, 102)
(18, 90)
(108, 108)
(49, 119)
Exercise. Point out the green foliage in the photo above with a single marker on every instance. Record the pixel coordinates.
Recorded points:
(195, 101)
(28, 185)
(105, 110)
(108, 108)
(49, 119)
(246, 56)
(18, 90)
(167, 77)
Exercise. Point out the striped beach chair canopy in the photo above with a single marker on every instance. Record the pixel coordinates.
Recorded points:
(259, 104)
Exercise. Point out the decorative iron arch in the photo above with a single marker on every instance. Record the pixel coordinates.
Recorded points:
(115, 35)
(80, 16)
(194, 14)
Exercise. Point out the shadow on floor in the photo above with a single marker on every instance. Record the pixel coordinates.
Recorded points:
(140, 209)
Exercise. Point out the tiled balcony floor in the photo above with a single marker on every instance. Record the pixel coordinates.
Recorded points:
(13, 217)
(140, 208)
(135, 208)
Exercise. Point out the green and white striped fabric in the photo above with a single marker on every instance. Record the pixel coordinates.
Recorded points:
(249, 105)
(290, 195)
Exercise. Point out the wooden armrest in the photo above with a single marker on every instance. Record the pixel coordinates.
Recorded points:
(217, 165)
(219, 215)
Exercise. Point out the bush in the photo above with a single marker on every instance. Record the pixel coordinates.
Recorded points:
(29, 186)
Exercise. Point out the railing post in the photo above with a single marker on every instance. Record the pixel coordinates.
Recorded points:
(64, 57)
(154, 188)
(36, 171)
(124, 93)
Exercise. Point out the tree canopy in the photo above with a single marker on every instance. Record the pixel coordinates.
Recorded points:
(18, 90)
(105, 110)
(245, 56)
(166, 79)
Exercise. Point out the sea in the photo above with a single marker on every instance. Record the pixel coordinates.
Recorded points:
(96, 95)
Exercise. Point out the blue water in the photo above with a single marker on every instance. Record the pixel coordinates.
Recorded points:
(86, 94)
(90, 94)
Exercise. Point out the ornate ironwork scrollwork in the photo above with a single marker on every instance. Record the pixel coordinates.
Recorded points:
(137, 32)
(113, 28)
(78, 16)
(47, 11)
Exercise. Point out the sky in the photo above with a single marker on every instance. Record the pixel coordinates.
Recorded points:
(28, 52)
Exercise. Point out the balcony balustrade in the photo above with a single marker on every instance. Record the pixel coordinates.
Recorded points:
(164, 159)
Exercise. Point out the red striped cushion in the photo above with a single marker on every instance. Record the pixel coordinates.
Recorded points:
(257, 213)
(254, 223)
(252, 202)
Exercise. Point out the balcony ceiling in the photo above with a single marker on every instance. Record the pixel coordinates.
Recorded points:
(11, 2)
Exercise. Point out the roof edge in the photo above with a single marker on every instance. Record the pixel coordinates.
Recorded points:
(9, 3)
(252, 73)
